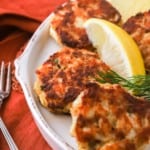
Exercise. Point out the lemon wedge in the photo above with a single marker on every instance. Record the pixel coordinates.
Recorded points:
(115, 47)
(128, 8)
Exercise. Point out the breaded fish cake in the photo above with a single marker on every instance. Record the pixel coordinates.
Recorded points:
(139, 28)
(64, 75)
(106, 117)
(66, 25)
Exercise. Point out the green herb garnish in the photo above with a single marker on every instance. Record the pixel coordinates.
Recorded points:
(139, 85)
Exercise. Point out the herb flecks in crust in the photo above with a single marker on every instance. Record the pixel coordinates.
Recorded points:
(62, 77)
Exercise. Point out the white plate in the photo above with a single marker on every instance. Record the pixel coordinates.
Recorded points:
(54, 128)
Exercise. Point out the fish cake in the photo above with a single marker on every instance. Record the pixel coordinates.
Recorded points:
(106, 117)
(61, 78)
(138, 27)
(66, 25)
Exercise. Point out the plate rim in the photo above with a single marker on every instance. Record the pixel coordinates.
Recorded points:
(57, 142)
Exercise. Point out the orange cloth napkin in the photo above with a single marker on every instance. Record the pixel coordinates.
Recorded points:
(18, 21)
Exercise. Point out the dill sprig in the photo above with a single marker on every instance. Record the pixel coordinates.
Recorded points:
(139, 85)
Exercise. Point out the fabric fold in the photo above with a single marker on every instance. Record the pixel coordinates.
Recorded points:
(20, 22)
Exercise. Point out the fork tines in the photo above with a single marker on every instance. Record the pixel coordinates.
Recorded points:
(5, 77)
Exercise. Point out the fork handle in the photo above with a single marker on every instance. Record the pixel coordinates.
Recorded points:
(7, 136)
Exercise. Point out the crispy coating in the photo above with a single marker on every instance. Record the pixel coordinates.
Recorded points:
(64, 75)
(138, 27)
(106, 117)
(68, 19)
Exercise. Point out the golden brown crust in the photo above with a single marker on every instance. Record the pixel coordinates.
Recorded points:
(67, 21)
(64, 75)
(138, 27)
(106, 117)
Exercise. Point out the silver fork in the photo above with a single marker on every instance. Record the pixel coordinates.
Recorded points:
(5, 87)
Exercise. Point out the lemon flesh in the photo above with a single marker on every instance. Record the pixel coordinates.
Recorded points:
(115, 47)
(128, 8)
